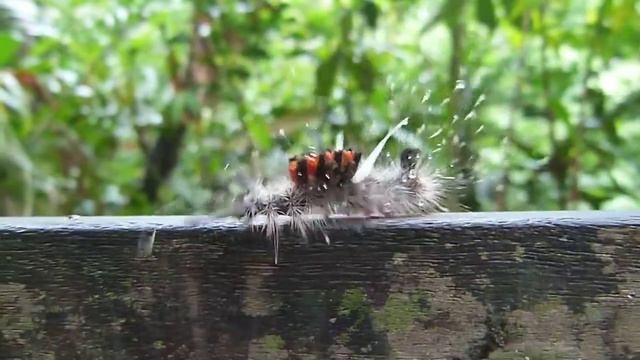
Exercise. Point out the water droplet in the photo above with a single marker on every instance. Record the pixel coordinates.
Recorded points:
(445, 102)
(479, 129)
(426, 97)
(480, 100)
(325, 187)
(412, 174)
(435, 134)
(281, 133)
(455, 119)
(470, 115)
(460, 85)
(421, 129)
(387, 207)
(226, 166)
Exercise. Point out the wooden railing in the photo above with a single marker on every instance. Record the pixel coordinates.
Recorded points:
(460, 285)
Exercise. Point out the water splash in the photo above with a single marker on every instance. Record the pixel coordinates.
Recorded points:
(470, 115)
(435, 134)
(367, 165)
(145, 244)
(426, 97)
(460, 85)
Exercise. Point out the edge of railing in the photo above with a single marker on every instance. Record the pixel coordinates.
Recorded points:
(180, 224)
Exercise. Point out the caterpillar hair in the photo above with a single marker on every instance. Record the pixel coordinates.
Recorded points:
(337, 182)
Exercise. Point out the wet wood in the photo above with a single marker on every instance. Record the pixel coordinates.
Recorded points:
(466, 286)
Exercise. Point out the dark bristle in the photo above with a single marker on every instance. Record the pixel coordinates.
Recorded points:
(302, 171)
(337, 157)
(320, 169)
(357, 158)
(324, 182)
(410, 158)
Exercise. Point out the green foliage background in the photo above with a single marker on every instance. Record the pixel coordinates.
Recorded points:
(146, 106)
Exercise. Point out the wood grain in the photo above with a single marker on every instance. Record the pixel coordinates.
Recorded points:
(460, 285)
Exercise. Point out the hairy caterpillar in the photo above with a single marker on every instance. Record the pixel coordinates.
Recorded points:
(338, 182)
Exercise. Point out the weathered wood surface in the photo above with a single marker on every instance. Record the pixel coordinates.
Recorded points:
(541, 285)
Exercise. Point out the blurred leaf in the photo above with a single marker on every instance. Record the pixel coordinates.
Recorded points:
(486, 13)
(449, 12)
(259, 133)
(621, 202)
(7, 22)
(8, 47)
(559, 109)
(364, 72)
(12, 94)
(346, 24)
(257, 52)
(370, 12)
(630, 103)
(514, 10)
(326, 74)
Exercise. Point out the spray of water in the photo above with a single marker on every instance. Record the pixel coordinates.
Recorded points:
(366, 166)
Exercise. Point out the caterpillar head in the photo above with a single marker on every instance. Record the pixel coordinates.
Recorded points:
(410, 159)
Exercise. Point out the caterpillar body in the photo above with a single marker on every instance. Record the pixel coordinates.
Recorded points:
(340, 182)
